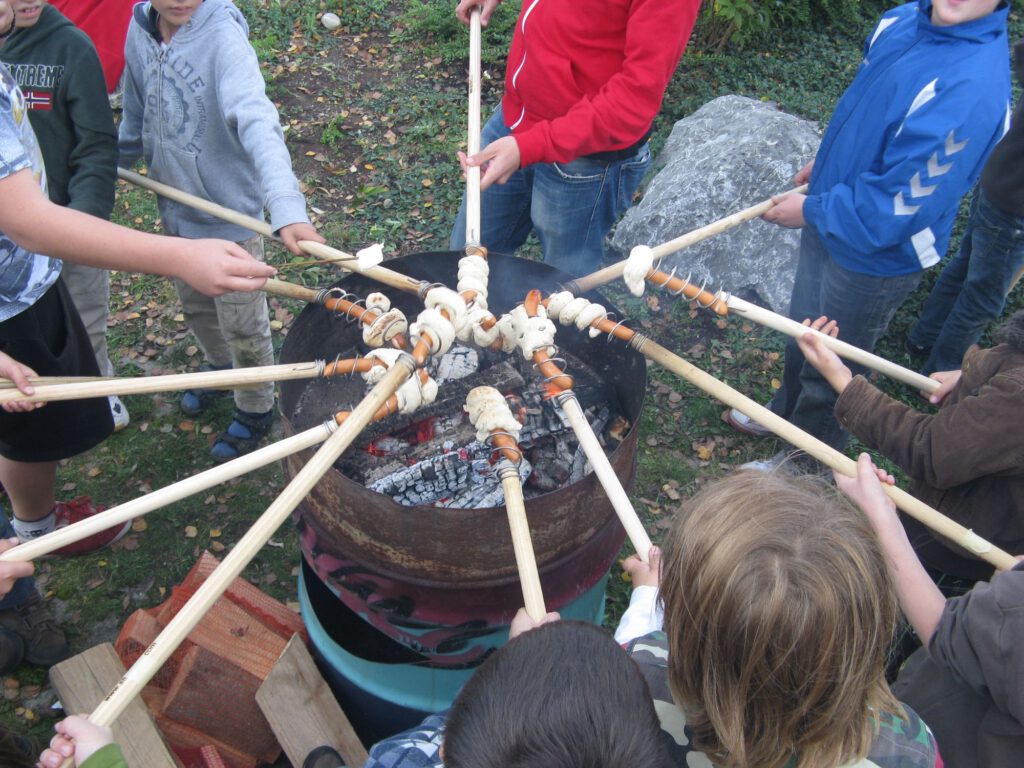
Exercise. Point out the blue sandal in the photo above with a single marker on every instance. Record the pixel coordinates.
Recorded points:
(243, 434)
(195, 401)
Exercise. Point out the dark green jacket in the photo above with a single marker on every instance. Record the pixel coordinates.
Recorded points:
(57, 68)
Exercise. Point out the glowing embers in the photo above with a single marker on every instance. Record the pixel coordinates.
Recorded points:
(432, 457)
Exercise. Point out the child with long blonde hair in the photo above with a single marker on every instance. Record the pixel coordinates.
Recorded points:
(778, 613)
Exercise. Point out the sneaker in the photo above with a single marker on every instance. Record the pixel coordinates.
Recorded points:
(323, 757)
(44, 642)
(12, 650)
(119, 413)
(743, 423)
(79, 509)
(242, 435)
(767, 465)
(793, 461)
(916, 351)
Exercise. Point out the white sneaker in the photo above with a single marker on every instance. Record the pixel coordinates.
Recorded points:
(767, 465)
(743, 423)
(119, 412)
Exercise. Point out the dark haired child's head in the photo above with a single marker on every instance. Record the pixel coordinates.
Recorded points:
(15, 751)
(779, 611)
(562, 695)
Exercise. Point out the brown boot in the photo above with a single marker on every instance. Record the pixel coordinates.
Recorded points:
(43, 640)
(12, 651)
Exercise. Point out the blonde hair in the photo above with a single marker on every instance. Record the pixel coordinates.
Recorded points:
(779, 611)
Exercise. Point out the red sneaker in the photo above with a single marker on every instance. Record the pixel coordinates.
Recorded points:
(69, 512)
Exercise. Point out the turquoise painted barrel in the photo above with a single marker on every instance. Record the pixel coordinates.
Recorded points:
(380, 684)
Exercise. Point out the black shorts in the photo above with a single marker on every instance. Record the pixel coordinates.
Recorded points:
(49, 338)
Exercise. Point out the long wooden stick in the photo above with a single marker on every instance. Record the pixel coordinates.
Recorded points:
(345, 260)
(232, 566)
(827, 455)
(605, 474)
(722, 303)
(487, 404)
(39, 381)
(615, 271)
(934, 519)
(234, 378)
(473, 133)
(44, 545)
(522, 542)
(797, 330)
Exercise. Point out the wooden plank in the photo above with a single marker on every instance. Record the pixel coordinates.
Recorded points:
(83, 681)
(190, 740)
(218, 698)
(303, 712)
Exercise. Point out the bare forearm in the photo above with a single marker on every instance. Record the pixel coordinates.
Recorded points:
(921, 600)
(71, 235)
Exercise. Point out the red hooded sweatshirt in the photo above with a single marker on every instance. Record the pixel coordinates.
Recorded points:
(586, 76)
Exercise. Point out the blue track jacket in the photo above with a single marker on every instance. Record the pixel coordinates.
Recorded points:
(908, 139)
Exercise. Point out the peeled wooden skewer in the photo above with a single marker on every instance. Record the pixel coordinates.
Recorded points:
(39, 381)
(473, 132)
(346, 260)
(108, 518)
(232, 566)
(606, 275)
(722, 303)
(559, 385)
(486, 406)
(234, 378)
(824, 453)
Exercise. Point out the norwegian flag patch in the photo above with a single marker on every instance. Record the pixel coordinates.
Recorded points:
(41, 100)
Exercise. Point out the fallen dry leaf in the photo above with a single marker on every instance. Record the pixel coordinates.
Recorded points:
(191, 532)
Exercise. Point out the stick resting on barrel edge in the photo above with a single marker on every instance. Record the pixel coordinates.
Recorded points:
(248, 546)
(614, 271)
(489, 413)
(827, 455)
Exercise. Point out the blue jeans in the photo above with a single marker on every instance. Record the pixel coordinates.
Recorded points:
(971, 291)
(862, 305)
(572, 206)
(23, 587)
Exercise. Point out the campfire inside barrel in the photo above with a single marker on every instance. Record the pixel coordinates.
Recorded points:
(409, 531)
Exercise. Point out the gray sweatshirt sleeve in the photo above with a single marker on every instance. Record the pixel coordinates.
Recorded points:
(980, 639)
(245, 104)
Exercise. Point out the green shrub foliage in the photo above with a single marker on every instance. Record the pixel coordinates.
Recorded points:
(735, 23)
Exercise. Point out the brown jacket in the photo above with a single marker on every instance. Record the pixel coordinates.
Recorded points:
(966, 460)
(969, 683)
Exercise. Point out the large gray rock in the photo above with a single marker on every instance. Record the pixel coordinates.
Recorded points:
(730, 154)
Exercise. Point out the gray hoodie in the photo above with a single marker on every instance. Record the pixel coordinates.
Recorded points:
(197, 110)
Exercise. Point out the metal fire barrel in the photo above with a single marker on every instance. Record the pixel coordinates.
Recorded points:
(439, 586)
